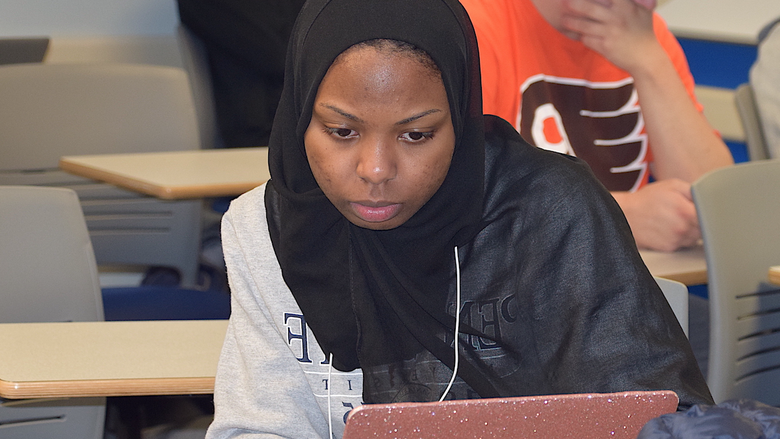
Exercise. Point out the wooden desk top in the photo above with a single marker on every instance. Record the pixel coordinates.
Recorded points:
(74, 359)
(687, 265)
(177, 175)
(774, 274)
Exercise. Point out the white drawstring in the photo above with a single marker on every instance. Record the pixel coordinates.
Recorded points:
(330, 384)
(457, 326)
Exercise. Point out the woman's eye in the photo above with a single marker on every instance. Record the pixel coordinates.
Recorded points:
(417, 136)
(344, 133)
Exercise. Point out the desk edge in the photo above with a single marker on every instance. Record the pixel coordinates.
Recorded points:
(774, 274)
(111, 178)
(161, 192)
(689, 278)
(116, 387)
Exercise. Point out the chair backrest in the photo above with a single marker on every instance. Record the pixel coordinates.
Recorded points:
(745, 101)
(47, 274)
(47, 268)
(766, 87)
(51, 110)
(739, 214)
(92, 109)
(676, 294)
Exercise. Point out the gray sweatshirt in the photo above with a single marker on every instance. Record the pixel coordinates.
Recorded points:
(273, 379)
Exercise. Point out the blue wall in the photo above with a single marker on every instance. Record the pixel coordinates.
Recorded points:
(718, 64)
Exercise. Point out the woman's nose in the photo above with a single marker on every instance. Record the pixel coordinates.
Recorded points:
(377, 162)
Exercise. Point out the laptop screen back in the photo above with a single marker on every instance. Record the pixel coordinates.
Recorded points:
(582, 416)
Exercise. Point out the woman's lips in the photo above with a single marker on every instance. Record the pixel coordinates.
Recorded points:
(375, 213)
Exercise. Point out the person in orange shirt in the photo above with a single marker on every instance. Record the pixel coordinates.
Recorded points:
(571, 75)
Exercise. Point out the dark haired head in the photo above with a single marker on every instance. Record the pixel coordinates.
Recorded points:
(396, 47)
(329, 263)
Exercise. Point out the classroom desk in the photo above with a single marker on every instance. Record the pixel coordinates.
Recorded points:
(82, 359)
(774, 274)
(177, 175)
(219, 172)
(687, 265)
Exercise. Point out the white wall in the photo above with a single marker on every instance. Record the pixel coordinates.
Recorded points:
(734, 21)
(141, 31)
(78, 18)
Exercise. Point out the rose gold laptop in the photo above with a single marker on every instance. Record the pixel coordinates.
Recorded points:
(581, 416)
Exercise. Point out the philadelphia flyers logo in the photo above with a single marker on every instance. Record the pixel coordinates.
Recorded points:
(599, 122)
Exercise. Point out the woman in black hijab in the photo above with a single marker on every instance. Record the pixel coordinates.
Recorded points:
(520, 249)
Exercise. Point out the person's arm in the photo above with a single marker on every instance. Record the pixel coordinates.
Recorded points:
(684, 145)
(262, 388)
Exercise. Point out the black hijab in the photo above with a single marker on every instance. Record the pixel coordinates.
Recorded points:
(333, 267)
(544, 245)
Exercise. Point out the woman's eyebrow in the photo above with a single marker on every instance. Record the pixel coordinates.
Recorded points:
(351, 116)
(338, 110)
(417, 116)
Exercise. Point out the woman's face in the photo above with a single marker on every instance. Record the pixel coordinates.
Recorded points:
(381, 139)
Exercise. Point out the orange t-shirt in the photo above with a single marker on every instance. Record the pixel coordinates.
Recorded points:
(562, 96)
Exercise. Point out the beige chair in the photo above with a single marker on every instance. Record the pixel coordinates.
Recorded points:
(745, 101)
(676, 294)
(739, 215)
(51, 110)
(47, 274)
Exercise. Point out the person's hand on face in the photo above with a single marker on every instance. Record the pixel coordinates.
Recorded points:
(381, 139)
(647, 4)
(620, 30)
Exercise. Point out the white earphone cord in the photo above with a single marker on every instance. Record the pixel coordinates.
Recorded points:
(330, 384)
(457, 326)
